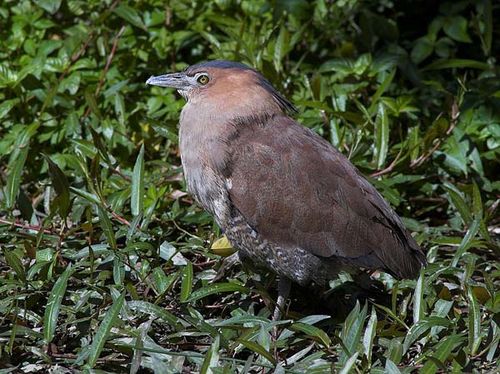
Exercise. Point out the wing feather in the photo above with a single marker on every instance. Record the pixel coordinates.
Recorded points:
(296, 190)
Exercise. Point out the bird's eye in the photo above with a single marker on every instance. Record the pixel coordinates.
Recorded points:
(203, 79)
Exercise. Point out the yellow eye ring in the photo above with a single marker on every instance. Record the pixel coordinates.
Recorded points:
(202, 79)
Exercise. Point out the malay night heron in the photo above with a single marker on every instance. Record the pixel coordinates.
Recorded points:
(285, 197)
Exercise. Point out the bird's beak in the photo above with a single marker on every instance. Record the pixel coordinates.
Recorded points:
(176, 80)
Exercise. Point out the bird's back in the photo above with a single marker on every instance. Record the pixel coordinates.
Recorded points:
(299, 194)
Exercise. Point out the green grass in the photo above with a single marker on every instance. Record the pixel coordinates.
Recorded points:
(106, 263)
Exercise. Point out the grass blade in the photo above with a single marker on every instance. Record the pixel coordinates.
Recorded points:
(211, 358)
(456, 63)
(61, 186)
(391, 367)
(443, 351)
(187, 282)
(381, 89)
(459, 203)
(130, 15)
(488, 26)
(420, 328)
(118, 269)
(346, 369)
(381, 136)
(280, 47)
(103, 331)
(85, 195)
(16, 264)
(15, 168)
(54, 305)
(466, 242)
(371, 329)
(351, 332)
(418, 299)
(313, 332)
(257, 348)
(216, 289)
(107, 226)
(137, 198)
(154, 311)
(474, 318)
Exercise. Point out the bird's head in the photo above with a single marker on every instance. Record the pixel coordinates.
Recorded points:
(225, 85)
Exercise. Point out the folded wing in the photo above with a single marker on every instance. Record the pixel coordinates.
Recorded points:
(296, 190)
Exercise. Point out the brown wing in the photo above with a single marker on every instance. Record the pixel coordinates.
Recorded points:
(295, 189)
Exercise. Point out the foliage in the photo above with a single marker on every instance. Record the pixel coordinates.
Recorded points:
(105, 261)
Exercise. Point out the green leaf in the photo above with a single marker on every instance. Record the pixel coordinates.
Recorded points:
(477, 204)
(280, 48)
(381, 136)
(313, 332)
(71, 83)
(380, 90)
(61, 186)
(467, 241)
(91, 102)
(459, 203)
(351, 332)
(120, 109)
(369, 336)
(422, 49)
(391, 368)
(395, 351)
(418, 299)
(243, 319)
(137, 198)
(118, 270)
(474, 323)
(130, 15)
(421, 327)
(216, 288)
(15, 168)
(54, 305)
(257, 348)
(488, 26)
(16, 264)
(160, 281)
(110, 320)
(169, 253)
(90, 197)
(200, 325)
(51, 6)
(442, 353)
(155, 311)
(348, 366)
(107, 227)
(212, 39)
(212, 357)
(455, 153)
(456, 28)
(187, 282)
(456, 63)
(99, 144)
(6, 106)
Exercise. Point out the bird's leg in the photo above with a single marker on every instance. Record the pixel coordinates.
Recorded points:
(284, 285)
(227, 263)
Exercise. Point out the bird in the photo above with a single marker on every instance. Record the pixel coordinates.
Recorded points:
(286, 198)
